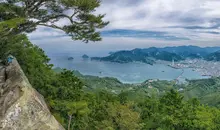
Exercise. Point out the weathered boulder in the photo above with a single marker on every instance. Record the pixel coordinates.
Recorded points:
(21, 106)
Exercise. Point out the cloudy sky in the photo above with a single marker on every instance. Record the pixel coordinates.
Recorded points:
(145, 23)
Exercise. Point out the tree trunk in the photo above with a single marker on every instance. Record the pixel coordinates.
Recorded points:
(70, 120)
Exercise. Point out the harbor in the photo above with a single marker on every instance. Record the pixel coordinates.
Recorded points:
(205, 68)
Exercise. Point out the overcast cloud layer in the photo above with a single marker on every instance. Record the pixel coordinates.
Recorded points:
(144, 23)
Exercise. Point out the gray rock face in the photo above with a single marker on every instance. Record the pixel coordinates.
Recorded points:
(2, 74)
(21, 106)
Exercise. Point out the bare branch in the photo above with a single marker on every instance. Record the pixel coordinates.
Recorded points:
(37, 6)
(74, 14)
(51, 26)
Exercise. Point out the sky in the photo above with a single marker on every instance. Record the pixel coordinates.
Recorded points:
(142, 24)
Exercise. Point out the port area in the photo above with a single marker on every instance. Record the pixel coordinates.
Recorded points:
(205, 68)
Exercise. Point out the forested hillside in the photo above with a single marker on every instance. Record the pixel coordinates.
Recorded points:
(213, 56)
(73, 100)
(205, 90)
(149, 55)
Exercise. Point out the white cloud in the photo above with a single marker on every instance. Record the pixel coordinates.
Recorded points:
(157, 15)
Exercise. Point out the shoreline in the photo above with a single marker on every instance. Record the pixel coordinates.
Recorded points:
(145, 78)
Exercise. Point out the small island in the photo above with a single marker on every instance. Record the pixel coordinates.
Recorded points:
(85, 56)
(70, 58)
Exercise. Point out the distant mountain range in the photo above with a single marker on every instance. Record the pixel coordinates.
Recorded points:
(149, 55)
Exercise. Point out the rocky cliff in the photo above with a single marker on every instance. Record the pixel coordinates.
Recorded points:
(21, 106)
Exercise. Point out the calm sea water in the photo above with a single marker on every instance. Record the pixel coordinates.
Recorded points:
(127, 73)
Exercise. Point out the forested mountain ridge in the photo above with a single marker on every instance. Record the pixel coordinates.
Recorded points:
(167, 54)
(213, 56)
(126, 57)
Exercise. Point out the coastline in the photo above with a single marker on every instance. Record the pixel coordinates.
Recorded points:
(131, 73)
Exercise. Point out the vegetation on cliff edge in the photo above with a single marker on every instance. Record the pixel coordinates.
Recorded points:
(74, 107)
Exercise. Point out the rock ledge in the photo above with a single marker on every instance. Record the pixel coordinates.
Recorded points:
(21, 106)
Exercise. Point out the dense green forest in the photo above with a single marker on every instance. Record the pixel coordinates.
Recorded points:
(81, 103)
(205, 90)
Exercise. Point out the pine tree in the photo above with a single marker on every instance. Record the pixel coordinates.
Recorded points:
(82, 23)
